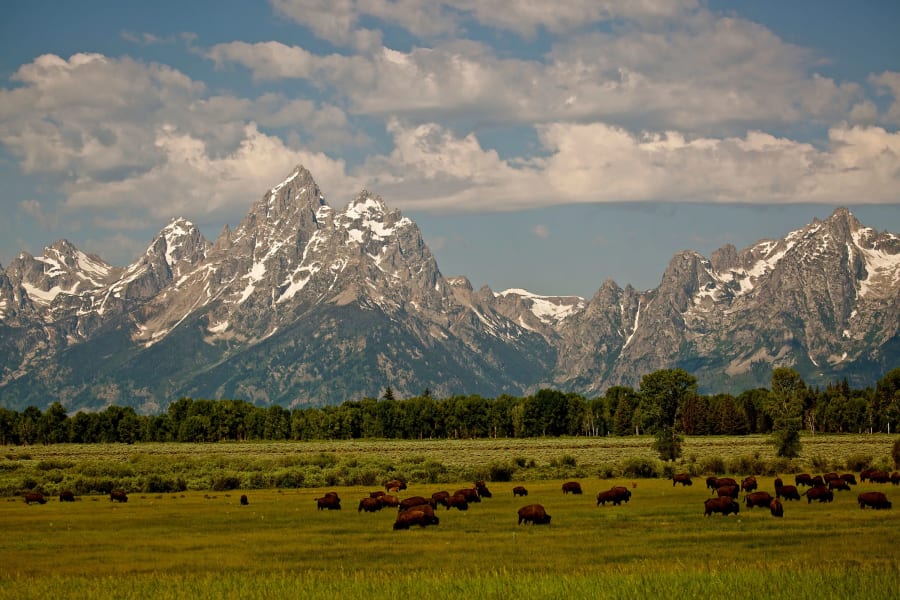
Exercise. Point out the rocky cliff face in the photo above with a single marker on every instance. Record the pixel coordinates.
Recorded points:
(303, 303)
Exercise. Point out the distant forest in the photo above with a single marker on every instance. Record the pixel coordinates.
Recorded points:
(621, 411)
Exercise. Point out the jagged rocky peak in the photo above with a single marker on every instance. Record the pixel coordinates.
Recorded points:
(725, 258)
(180, 245)
(459, 281)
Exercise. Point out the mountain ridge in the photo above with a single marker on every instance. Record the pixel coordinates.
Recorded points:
(303, 304)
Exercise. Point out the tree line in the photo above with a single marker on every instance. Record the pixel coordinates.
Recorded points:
(666, 405)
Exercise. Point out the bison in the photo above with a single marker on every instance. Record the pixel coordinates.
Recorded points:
(409, 518)
(370, 505)
(440, 498)
(838, 484)
(534, 514)
(118, 496)
(571, 486)
(776, 508)
(682, 478)
(482, 489)
(748, 484)
(730, 491)
(389, 500)
(721, 504)
(244, 501)
(519, 491)
(879, 476)
(876, 500)
(720, 481)
(330, 501)
(408, 503)
(457, 501)
(471, 494)
(895, 478)
(35, 497)
(788, 492)
(849, 478)
(758, 499)
(66, 496)
(612, 495)
(820, 493)
(803, 479)
(394, 485)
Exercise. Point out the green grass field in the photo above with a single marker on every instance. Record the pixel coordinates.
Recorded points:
(203, 544)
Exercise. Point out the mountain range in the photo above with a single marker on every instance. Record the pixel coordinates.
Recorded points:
(304, 304)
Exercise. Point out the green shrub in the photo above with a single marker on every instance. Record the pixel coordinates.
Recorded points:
(288, 478)
(858, 462)
(226, 482)
(566, 460)
(641, 467)
(51, 464)
(501, 472)
(606, 471)
(714, 465)
(157, 484)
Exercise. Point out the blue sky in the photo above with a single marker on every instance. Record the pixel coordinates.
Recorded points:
(546, 146)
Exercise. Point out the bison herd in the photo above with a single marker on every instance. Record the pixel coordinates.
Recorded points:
(726, 492)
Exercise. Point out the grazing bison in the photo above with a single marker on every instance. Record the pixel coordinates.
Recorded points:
(394, 485)
(118, 496)
(895, 478)
(457, 501)
(440, 498)
(776, 508)
(376, 494)
(721, 481)
(820, 493)
(682, 478)
(330, 501)
(803, 479)
(389, 500)
(482, 489)
(622, 492)
(35, 497)
(408, 503)
(748, 484)
(879, 476)
(66, 496)
(849, 478)
(730, 491)
(370, 505)
(471, 494)
(838, 484)
(613, 495)
(534, 514)
(519, 491)
(409, 518)
(571, 486)
(721, 504)
(244, 501)
(788, 492)
(759, 499)
(876, 500)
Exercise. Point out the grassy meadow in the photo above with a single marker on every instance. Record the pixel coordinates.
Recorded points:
(201, 543)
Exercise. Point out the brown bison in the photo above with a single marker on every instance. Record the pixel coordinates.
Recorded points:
(394, 485)
(788, 492)
(876, 500)
(389, 500)
(730, 491)
(330, 501)
(571, 486)
(534, 514)
(370, 505)
(35, 497)
(66, 496)
(409, 518)
(748, 484)
(721, 504)
(457, 501)
(376, 494)
(776, 508)
(849, 478)
(471, 494)
(879, 476)
(482, 489)
(440, 498)
(118, 496)
(244, 501)
(758, 499)
(613, 495)
(721, 481)
(838, 484)
(682, 478)
(519, 491)
(895, 478)
(408, 503)
(803, 479)
(820, 493)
